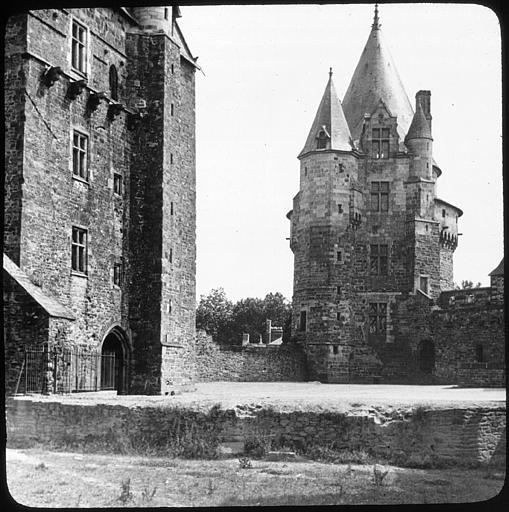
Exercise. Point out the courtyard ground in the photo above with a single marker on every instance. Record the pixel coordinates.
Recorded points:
(40, 478)
(303, 395)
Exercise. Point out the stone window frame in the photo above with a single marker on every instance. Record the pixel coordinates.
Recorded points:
(425, 277)
(118, 184)
(118, 273)
(379, 259)
(303, 326)
(79, 250)
(380, 142)
(379, 196)
(377, 318)
(480, 355)
(84, 70)
(113, 82)
(80, 175)
(321, 139)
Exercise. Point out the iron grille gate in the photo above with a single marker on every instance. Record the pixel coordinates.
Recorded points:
(67, 370)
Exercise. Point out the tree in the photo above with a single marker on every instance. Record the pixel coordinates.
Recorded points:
(227, 322)
(214, 314)
(466, 285)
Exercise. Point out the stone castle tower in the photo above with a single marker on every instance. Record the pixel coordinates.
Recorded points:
(370, 237)
(99, 235)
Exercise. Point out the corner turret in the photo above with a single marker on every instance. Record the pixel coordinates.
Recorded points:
(329, 129)
(156, 19)
(419, 140)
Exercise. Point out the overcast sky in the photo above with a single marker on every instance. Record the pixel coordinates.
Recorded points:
(265, 69)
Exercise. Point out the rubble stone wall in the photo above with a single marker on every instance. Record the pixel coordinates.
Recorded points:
(416, 437)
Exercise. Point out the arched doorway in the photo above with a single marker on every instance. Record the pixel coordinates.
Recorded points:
(427, 356)
(114, 361)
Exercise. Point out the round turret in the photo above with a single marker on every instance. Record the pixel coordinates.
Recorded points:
(154, 18)
(420, 142)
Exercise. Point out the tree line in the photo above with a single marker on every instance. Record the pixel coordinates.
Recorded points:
(227, 321)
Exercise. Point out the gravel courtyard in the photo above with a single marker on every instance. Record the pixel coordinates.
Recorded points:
(305, 395)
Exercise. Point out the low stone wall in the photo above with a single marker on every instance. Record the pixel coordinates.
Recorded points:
(458, 331)
(417, 437)
(481, 375)
(265, 363)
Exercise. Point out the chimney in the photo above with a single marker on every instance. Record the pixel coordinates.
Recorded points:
(424, 98)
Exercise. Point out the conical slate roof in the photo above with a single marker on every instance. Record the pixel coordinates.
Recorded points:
(499, 271)
(331, 119)
(420, 128)
(375, 78)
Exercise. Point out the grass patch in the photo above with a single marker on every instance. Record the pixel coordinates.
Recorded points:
(129, 481)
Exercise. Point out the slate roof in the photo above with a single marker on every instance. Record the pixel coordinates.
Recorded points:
(499, 271)
(420, 128)
(331, 119)
(49, 304)
(375, 78)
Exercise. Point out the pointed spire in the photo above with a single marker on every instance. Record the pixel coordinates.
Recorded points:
(375, 78)
(330, 122)
(420, 128)
(376, 22)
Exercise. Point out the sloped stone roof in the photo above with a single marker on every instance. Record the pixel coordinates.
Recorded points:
(499, 271)
(420, 128)
(331, 119)
(49, 304)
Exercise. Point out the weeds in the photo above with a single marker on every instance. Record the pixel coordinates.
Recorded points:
(126, 495)
(245, 463)
(147, 495)
(378, 475)
(211, 487)
(419, 413)
(41, 467)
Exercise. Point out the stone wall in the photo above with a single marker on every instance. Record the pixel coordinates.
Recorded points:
(145, 227)
(459, 331)
(264, 363)
(416, 437)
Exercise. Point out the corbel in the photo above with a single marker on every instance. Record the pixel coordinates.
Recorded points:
(114, 110)
(76, 88)
(94, 99)
(51, 75)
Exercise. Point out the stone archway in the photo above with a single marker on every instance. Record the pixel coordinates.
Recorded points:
(426, 354)
(114, 358)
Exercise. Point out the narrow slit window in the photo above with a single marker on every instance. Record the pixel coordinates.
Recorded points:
(117, 184)
(118, 274)
(113, 83)
(303, 321)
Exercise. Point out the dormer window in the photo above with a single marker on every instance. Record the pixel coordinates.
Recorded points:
(322, 140)
(380, 142)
